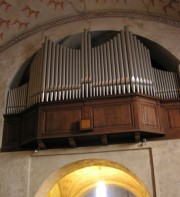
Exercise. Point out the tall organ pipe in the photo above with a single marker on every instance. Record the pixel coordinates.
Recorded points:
(132, 43)
(103, 70)
(56, 67)
(73, 74)
(117, 70)
(130, 61)
(52, 68)
(44, 64)
(120, 65)
(67, 73)
(114, 82)
(96, 71)
(93, 72)
(138, 59)
(125, 59)
(109, 68)
(89, 64)
(99, 71)
(63, 73)
(106, 69)
(151, 73)
(142, 67)
(48, 70)
(60, 72)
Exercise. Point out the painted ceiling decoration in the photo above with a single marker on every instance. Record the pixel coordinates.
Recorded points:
(22, 18)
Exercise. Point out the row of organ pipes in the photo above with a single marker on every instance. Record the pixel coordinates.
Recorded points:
(121, 65)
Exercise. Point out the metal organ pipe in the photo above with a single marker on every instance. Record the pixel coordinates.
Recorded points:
(106, 77)
(114, 82)
(118, 66)
(99, 72)
(60, 71)
(152, 87)
(73, 73)
(117, 70)
(102, 70)
(93, 72)
(79, 67)
(70, 73)
(171, 85)
(167, 86)
(129, 57)
(125, 59)
(121, 63)
(89, 63)
(82, 65)
(76, 85)
(44, 64)
(109, 68)
(142, 64)
(86, 65)
(96, 71)
(175, 85)
(17, 99)
(56, 71)
(134, 60)
(147, 71)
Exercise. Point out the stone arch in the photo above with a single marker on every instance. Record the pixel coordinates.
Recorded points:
(77, 178)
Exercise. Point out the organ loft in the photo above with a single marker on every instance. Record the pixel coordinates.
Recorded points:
(96, 94)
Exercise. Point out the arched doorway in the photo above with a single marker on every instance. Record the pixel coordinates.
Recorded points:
(79, 178)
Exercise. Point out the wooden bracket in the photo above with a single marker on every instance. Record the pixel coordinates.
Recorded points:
(104, 139)
(41, 145)
(137, 137)
(72, 142)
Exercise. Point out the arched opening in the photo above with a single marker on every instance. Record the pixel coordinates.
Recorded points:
(79, 179)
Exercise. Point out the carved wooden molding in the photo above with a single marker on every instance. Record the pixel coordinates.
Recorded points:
(118, 119)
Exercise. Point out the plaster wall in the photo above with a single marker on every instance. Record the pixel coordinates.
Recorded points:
(157, 164)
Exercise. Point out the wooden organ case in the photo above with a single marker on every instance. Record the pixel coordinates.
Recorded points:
(93, 95)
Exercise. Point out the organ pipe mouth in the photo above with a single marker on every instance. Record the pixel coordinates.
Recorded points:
(121, 65)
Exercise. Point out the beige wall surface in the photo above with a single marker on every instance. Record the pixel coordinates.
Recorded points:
(157, 164)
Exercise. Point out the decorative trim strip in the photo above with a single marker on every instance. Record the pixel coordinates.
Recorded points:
(90, 15)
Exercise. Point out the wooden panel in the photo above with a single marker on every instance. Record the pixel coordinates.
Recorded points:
(150, 116)
(11, 134)
(61, 120)
(86, 111)
(174, 118)
(29, 126)
(113, 115)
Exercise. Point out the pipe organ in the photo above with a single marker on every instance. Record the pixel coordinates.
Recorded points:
(17, 99)
(121, 65)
